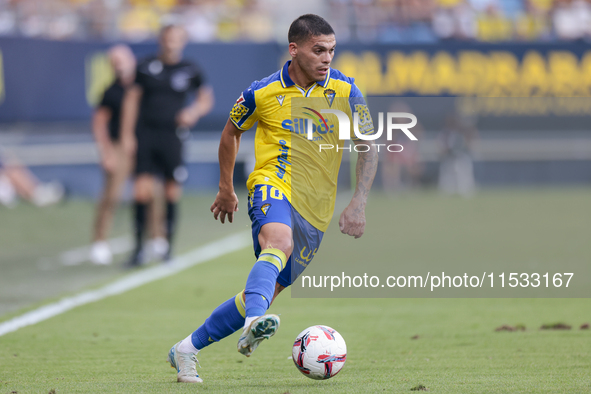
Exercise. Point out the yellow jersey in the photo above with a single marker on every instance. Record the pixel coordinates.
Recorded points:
(285, 158)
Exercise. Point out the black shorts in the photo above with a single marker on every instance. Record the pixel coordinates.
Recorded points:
(160, 153)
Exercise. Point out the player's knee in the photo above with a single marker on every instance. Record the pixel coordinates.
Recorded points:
(143, 189)
(276, 236)
(173, 191)
(283, 244)
(142, 197)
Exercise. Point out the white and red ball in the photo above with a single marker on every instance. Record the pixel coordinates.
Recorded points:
(319, 352)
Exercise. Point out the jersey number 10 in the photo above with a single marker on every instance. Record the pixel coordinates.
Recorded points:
(273, 191)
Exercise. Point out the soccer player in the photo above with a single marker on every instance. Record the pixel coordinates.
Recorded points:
(154, 107)
(288, 217)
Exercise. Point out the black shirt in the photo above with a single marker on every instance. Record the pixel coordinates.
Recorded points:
(165, 91)
(112, 99)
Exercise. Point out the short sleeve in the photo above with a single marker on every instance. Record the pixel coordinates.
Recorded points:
(358, 105)
(107, 100)
(140, 75)
(198, 78)
(243, 113)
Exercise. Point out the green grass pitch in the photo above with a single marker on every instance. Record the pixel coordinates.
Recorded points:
(119, 344)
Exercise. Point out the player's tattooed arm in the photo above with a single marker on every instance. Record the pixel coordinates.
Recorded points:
(365, 171)
(352, 220)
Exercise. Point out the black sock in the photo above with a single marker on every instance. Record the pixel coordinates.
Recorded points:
(171, 211)
(140, 224)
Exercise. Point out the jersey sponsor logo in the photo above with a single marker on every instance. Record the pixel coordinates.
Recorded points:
(329, 94)
(265, 208)
(240, 99)
(280, 98)
(282, 160)
(307, 257)
(300, 126)
(180, 81)
(318, 118)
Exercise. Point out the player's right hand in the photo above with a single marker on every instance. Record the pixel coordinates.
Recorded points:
(226, 203)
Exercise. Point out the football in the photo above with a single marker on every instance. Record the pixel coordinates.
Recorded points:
(319, 352)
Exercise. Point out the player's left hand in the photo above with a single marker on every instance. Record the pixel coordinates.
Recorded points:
(352, 220)
(187, 118)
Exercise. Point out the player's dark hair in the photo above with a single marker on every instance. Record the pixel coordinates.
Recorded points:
(307, 26)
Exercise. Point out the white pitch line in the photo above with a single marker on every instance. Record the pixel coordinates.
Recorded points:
(197, 256)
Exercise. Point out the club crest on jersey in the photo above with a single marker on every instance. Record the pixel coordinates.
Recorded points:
(265, 208)
(280, 98)
(155, 67)
(180, 81)
(329, 94)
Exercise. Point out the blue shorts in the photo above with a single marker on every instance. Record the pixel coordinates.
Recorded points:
(271, 206)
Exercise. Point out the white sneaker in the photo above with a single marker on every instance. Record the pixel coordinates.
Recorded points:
(8, 195)
(100, 253)
(158, 247)
(184, 363)
(262, 328)
(48, 194)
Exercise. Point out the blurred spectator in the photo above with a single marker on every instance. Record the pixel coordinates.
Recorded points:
(572, 19)
(8, 18)
(17, 181)
(200, 22)
(533, 22)
(492, 23)
(139, 23)
(454, 20)
(402, 170)
(116, 164)
(456, 168)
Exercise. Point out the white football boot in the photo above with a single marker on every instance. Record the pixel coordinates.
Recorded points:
(184, 363)
(261, 328)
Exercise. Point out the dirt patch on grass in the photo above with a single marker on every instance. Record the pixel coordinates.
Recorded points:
(506, 327)
(555, 326)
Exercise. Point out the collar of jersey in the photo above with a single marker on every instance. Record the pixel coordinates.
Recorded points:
(286, 81)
